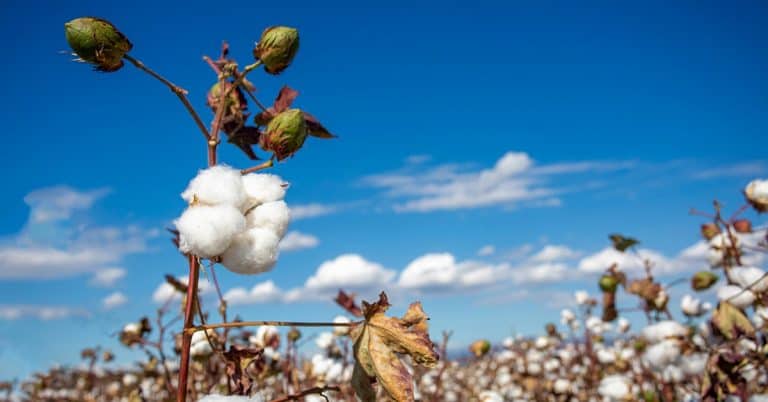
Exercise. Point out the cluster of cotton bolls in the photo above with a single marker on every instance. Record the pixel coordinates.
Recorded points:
(235, 219)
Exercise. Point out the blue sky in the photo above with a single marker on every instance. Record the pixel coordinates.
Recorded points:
(519, 126)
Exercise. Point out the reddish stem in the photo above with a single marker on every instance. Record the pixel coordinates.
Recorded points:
(186, 340)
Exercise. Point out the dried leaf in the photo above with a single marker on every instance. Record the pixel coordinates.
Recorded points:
(347, 302)
(285, 98)
(177, 284)
(315, 128)
(244, 138)
(731, 322)
(622, 243)
(380, 339)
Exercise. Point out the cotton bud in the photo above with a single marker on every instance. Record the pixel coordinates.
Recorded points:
(285, 134)
(276, 48)
(251, 252)
(216, 185)
(293, 334)
(608, 283)
(480, 347)
(757, 194)
(709, 230)
(703, 280)
(273, 216)
(98, 42)
(207, 231)
(742, 226)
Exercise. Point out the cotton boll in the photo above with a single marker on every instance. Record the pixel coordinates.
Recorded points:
(735, 295)
(200, 349)
(623, 325)
(217, 185)
(490, 396)
(693, 307)
(693, 364)
(567, 316)
(757, 194)
(750, 277)
(663, 330)
(130, 379)
(581, 297)
(251, 252)
(605, 356)
(206, 231)
(661, 354)
(324, 340)
(273, 215)
(261, 188)
(672, 373)
(616, 387)
(561, 386)
(341, 331)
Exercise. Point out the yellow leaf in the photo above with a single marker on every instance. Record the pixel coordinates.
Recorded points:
(379, 340)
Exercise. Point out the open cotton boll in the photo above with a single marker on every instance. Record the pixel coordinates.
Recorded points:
(663, 330)
(341, 331)
(751, 277)
(206, 231)
(273, 215)
(251, 252)
(735, 295)
(216, 185)
(693, 307)
(614, 387)
(661, 354)
(490, 396)
(261, 188)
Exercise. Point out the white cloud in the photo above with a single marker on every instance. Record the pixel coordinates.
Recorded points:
(107, 277)
(438, 271)
(264, 292)
(57, 203)
(541, 273)
(552, 253)
(349, 271)
(165, 293)
(114, 300)
(513, 180)
(294, 241)
(627, 261)
(45, 313)
(311, 210)
(486, 250)
(743, 169)
(52, 246)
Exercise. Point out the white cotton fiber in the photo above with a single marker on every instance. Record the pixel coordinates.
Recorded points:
(273, 216)
(216, 185)
(750, 276)
(252, 252)
(206, 231)
(664, 330)
(614, 387)
(735, 295)
(261, 188)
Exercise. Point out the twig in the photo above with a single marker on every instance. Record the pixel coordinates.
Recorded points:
(239, 324)
(266, 165)
(186, 339)
(181, 93)
(310, 391)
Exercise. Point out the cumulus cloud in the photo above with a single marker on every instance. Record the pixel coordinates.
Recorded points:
(107, 277)
(51, 245)
(305, 211)
(486, 250)
(114, 300)
(627, 261)
(264, 292)
(57, 203)
(541, 273)
(294, 241)
(165, 293)
(45, 313)
(436, 271)
(349, 271)
(513, 180)
(552, 253)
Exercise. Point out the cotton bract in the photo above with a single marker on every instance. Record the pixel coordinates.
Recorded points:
(273, 216)
(252, 252)
(217, 185)
(206, 231)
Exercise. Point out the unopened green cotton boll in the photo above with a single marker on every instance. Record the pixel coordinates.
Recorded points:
(277, 48)
(98, 42)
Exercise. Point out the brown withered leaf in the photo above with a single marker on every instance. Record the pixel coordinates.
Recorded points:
(378, 341)
(622, 243)
(347, 302)
(731, 322)
(316, 129)
(244, 138)
(285, 98)
(176, 284)
(238, 359)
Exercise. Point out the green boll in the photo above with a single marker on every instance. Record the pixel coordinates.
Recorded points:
(285, 134)
(480, 347)
(276, 48)
(703, 280)
(98, 42)
(608, 283)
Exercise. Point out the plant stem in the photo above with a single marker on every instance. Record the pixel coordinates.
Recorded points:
(186, 339)
(239, 324)
(181, 93)
(265, 165)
